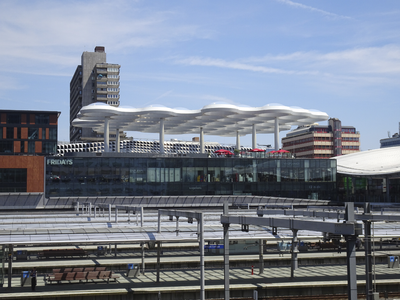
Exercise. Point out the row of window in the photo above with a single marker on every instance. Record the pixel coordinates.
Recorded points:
(31, 133)
(107, 83)
(30, 147)
(353, 139)
(112, 70)
(18, 118)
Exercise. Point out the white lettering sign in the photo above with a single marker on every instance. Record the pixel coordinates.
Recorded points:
(60, 161)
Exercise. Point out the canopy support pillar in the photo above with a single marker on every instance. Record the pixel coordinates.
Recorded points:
(201, 140)
(276, 134)
(254, 138)
(117, 141)
(237, 140)
(162, 135)
(106, 134)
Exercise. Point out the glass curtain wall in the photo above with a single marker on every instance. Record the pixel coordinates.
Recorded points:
(127, 176)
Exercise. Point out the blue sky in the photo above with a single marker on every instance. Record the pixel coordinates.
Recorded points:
(340, 57)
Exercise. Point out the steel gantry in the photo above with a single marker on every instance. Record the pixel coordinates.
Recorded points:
(349, 229)
(200, 237)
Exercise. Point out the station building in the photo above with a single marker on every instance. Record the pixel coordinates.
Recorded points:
(111, 174)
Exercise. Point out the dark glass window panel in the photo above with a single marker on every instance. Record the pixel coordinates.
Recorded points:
(10, 132)
(13, 180)
(13, 118)
(33, 133)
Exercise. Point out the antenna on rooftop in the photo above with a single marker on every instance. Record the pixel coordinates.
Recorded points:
(388, 134)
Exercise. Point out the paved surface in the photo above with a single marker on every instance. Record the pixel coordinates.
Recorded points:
(188, 279)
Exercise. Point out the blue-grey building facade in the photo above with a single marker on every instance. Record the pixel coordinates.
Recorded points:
(127, 175)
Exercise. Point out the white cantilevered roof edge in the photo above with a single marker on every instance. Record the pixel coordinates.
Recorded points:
(378, 163)
(215, 119)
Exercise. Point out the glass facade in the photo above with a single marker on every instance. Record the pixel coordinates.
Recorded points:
(13, 180)
(148, 176)
(28, 132)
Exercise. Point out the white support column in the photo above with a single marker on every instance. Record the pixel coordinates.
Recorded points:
(117, 140)
(106, 134)
(162, 135)
(201, 140)
(276, 135)
(254, 137)
(237, 140)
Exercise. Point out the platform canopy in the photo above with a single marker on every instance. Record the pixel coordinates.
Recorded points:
(378, 163)
(214, 119)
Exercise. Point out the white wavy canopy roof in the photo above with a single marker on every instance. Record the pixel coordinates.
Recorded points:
(216, 119)
(377, 163)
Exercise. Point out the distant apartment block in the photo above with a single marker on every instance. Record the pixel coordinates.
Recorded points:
(94, 80)
(393, 141)
(322, 141)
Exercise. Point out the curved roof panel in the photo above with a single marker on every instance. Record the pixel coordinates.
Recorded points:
(215, 119)
(377, 163)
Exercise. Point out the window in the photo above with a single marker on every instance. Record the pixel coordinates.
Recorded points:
(13, 118)
(10, 132)
(33, 133)
(13, 180)
(112, 69)
(49, 147)
(41, 119)
(53, 133)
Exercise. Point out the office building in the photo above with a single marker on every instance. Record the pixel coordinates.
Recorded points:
(28, 132)
(393, 141)
(322, 141)
(94, 80)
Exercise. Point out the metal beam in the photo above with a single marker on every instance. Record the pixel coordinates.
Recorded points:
(327, 214)
(291, 223)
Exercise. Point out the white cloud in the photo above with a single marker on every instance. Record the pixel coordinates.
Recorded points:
(365, 65)
(313, 9)
(210, 62)
(53, 31)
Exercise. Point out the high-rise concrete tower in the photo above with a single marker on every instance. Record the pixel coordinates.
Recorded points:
(94, 80)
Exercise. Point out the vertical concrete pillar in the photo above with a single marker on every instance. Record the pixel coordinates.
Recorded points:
(276, 134)
(201, 140)
(162, 135)
(107, 134)
(237, 140)
(117, 141)
(254, 137)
